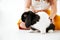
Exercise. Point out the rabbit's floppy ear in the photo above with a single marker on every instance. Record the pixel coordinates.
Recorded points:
(35, 19)
(28, 21)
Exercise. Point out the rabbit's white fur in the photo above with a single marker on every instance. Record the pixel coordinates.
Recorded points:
(43, 23)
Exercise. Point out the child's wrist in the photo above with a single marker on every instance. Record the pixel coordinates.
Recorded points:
(27, 9)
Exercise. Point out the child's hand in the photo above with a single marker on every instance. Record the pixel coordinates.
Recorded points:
(36, 11)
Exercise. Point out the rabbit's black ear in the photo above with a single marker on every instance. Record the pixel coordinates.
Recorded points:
(28, 21)
(35, 19)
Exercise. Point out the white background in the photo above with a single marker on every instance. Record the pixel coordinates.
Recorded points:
(10, 12)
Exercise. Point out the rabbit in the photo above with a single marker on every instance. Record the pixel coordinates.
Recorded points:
(39, 22)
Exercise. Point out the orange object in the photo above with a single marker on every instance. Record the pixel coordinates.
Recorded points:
(57, 22)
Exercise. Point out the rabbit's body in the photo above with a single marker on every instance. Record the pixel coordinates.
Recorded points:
(43, 22)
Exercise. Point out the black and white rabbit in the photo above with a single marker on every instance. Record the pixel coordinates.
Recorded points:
(38, 21)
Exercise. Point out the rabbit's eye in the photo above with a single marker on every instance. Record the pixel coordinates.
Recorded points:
(25, 15)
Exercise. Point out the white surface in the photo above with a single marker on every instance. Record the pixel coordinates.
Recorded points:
(10, 12)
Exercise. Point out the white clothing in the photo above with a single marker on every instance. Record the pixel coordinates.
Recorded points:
(40, 5)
